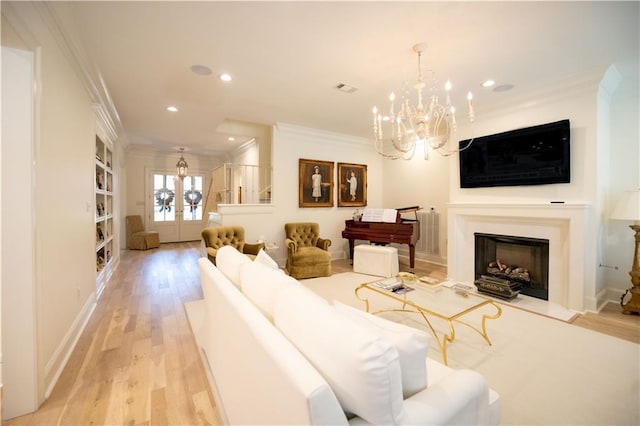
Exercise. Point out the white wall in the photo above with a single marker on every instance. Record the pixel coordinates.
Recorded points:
(624, 175)
(18, 271)
(424, 183)
(290, 143)
(63, 161)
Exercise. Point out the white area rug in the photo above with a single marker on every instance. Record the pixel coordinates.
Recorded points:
(547, 372)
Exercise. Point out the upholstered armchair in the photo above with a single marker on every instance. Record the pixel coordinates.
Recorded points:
(217, 236)
(137, 237)
(307, 254)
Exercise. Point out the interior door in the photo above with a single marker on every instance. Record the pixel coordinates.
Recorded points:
(177, 206)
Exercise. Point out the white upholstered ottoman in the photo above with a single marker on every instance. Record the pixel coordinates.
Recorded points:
(381, 261)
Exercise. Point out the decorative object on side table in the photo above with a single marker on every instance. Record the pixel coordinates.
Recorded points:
(628, 208)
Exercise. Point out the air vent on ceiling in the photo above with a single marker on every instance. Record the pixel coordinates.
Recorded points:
(346, 88)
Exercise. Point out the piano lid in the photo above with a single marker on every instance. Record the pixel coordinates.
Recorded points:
(409, 209)
(412, 209)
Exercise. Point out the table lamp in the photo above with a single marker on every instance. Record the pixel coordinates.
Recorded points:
(628, 208)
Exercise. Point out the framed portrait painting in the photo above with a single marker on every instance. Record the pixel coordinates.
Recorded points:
(352, 185)
(316, 183)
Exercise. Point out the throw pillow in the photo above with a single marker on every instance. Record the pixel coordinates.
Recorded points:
(261, 284)
(263, 258)
(360, 364)
(412, 345)
(228, 261)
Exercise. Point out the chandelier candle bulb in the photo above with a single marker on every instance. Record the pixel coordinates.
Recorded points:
(470, 98)
(453, 118)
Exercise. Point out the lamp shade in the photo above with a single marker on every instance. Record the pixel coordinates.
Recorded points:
(628, 206)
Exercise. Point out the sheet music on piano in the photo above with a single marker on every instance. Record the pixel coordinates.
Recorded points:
(379, 215)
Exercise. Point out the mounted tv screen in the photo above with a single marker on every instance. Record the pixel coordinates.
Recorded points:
(535, 155)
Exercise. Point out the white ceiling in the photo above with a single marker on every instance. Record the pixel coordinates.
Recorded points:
(287, 57)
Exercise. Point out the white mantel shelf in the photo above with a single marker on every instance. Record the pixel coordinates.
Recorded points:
(563, 224)
(500, 207)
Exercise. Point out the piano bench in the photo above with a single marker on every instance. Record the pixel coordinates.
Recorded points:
(381, 261)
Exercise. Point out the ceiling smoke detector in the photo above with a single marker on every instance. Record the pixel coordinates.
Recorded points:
(346, 88)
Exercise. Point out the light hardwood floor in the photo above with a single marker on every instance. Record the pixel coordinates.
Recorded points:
(137, 363)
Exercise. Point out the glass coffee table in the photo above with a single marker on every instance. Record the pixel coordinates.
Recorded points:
(453, 305)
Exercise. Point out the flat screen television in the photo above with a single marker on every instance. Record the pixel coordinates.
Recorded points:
(536, 155)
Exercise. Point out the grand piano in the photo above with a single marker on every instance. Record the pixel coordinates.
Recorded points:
(402, 231)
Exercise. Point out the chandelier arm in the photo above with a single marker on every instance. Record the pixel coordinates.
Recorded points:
(446, 153)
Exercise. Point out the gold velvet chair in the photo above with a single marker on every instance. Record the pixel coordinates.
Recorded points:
(137, 237)
(215, 237)
(307, 254)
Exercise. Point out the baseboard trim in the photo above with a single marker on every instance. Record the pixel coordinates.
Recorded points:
(61, 355)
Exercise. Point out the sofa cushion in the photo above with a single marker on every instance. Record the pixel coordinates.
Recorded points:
(228, 261)
(412, 345)
(263, 258)
(359, 363)
(261, 284)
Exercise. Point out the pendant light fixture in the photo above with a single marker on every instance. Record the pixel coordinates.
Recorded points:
(181, 166)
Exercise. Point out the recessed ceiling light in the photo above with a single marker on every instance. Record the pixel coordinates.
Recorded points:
(503, 88)
(225, 77)
(200, 70)
(488, 83)
(172, 108)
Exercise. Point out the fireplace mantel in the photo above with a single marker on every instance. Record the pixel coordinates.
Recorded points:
(564, 225)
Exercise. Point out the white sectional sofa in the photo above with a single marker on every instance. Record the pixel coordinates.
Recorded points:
(279, 354)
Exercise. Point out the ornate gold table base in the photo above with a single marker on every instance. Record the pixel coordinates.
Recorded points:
(412, 306)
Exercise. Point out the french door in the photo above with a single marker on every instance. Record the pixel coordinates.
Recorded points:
(177, 206)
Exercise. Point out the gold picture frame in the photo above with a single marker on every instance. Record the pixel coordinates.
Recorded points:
(352, 185)
(315, 188)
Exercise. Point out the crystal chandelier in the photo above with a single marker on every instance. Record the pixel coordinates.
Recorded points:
(181, 166)
(429, 125)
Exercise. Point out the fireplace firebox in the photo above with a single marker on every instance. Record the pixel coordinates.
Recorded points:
(506, 266)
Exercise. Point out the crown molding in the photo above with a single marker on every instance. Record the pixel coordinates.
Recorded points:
(90, 77)
(536, 95)
(325, 135)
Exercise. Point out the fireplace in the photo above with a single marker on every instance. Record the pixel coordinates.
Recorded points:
(506, 266)
(564, 225)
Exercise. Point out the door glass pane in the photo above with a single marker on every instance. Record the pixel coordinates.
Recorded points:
(192, 189)
(164, 191)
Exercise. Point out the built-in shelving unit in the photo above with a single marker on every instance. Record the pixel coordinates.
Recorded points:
(104, 210)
